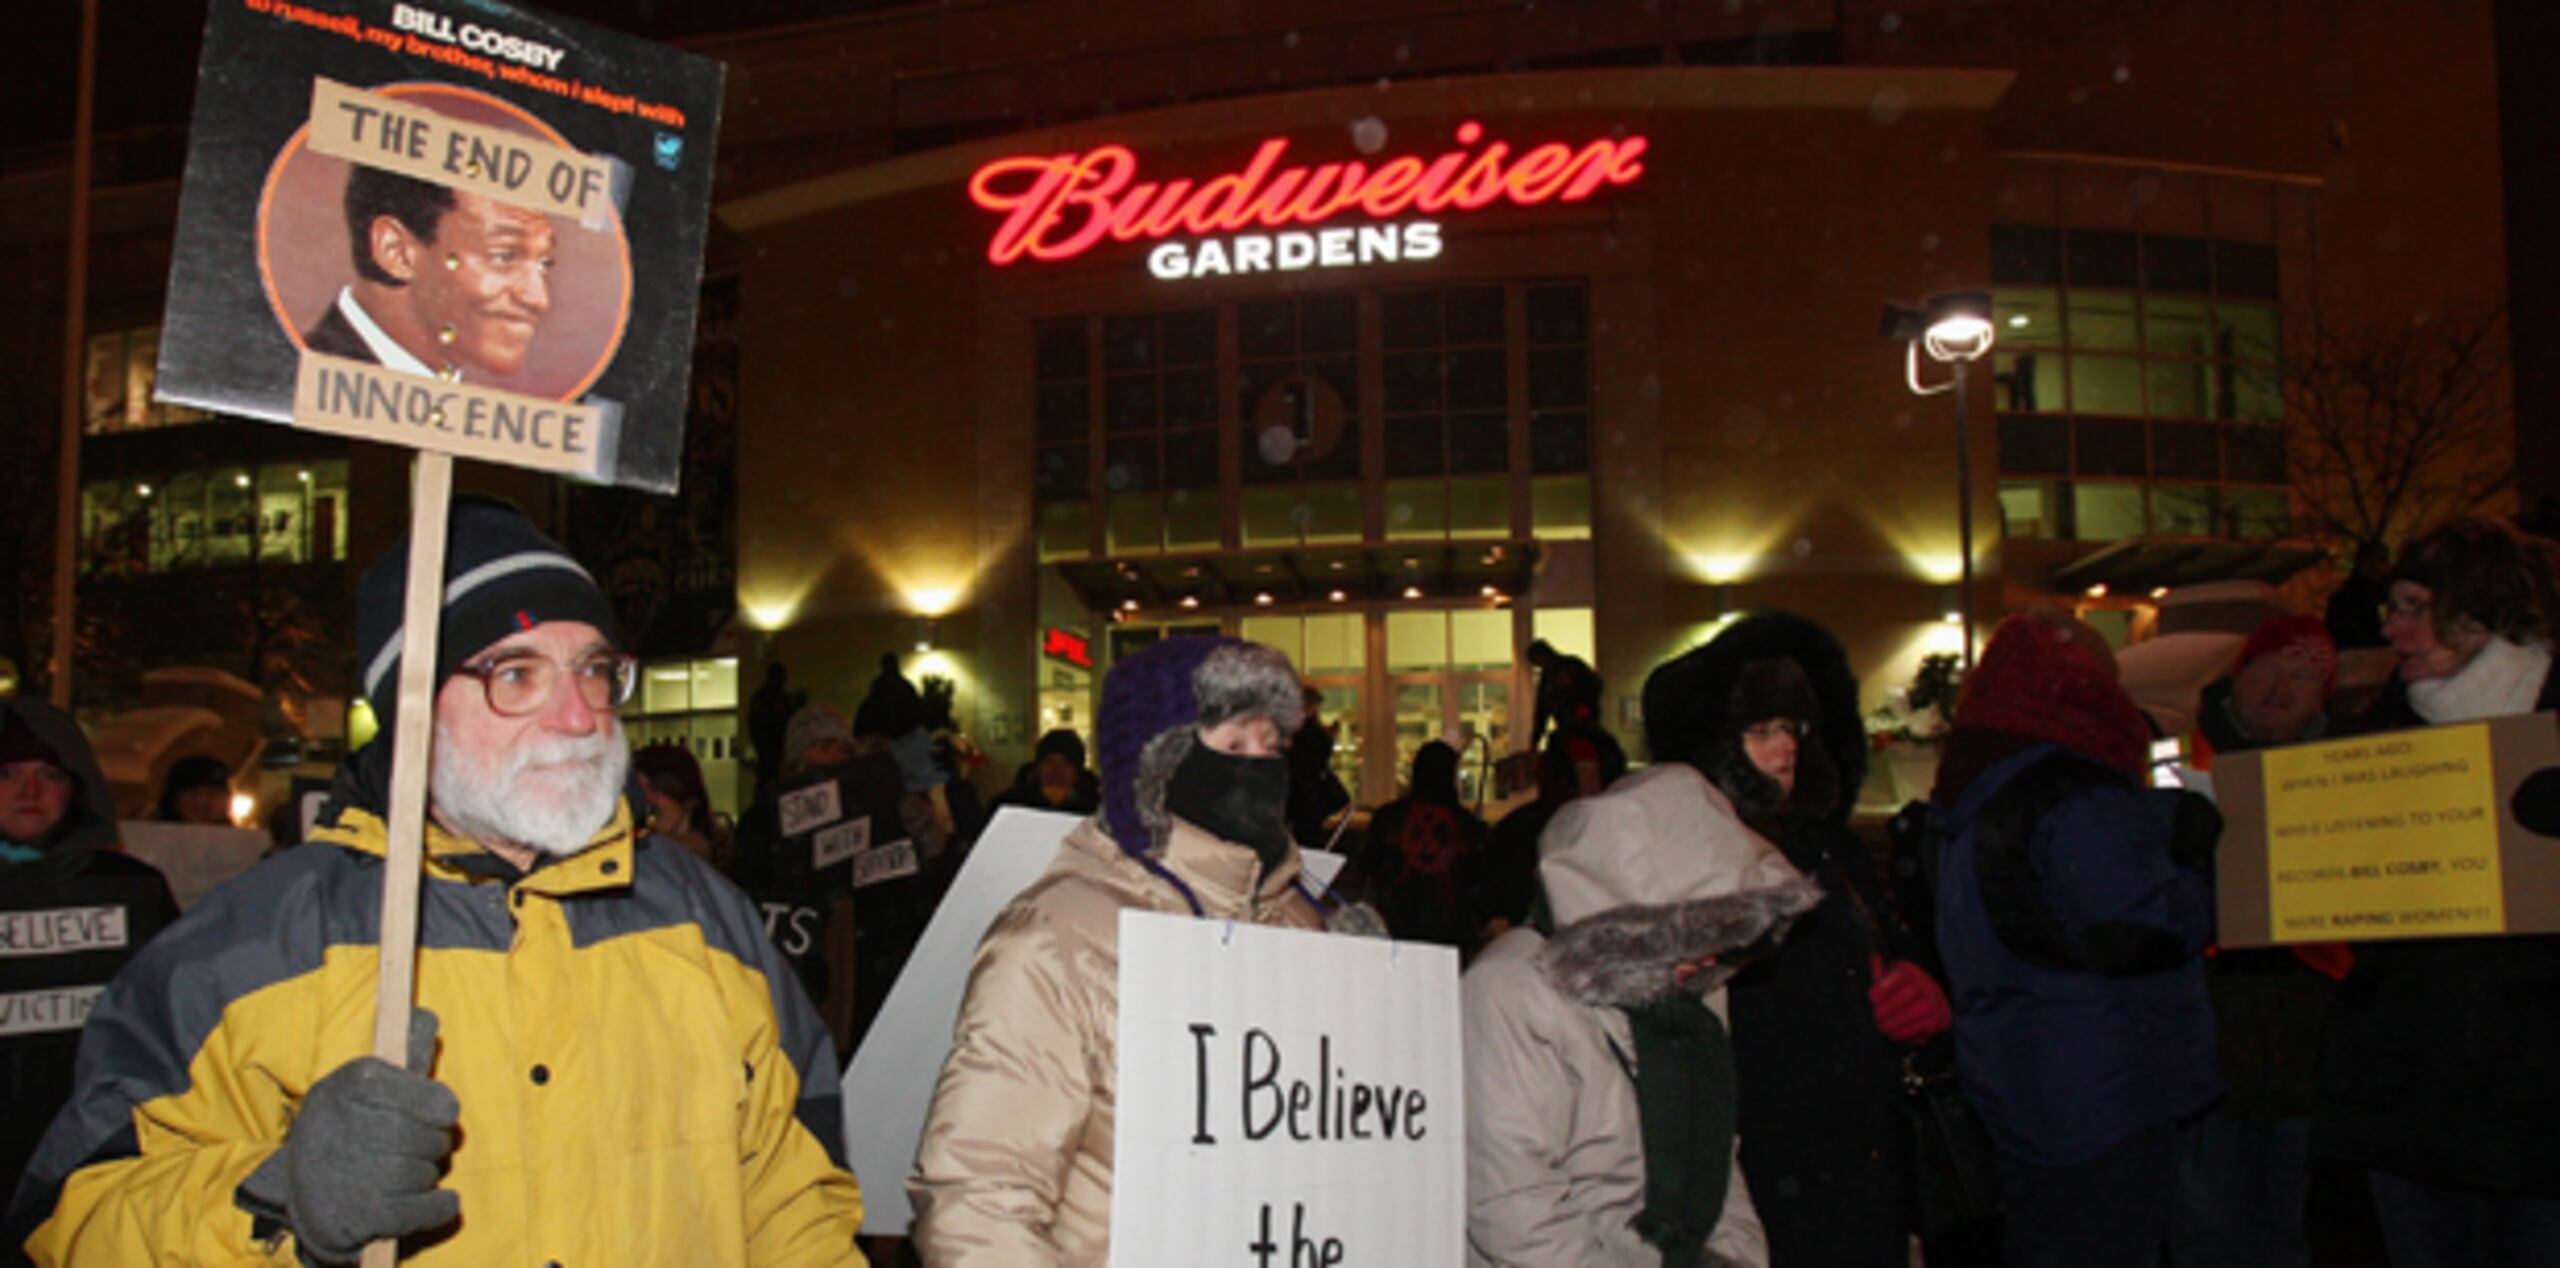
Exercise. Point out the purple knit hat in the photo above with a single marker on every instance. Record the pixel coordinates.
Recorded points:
(1153, 706)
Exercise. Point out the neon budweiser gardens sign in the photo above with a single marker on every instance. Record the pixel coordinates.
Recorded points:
(1275, 216)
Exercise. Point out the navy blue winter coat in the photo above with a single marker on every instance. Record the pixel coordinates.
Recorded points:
(2066, 1062)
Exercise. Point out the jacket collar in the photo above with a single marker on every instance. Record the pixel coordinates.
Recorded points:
(1221, 873)
(604, 864)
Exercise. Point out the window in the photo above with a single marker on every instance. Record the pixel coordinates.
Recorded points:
(121, 370)
(280, 513)
(1484, 388)
(693, 704)
(2139, 384)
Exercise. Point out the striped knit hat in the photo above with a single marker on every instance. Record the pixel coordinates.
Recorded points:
(501, 575)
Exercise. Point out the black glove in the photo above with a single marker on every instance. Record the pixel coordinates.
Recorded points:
(2197, 832)
(361, 1159)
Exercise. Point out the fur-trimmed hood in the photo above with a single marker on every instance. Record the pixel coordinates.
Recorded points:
(1156, 702)
(1654, 873)
(1690, 702)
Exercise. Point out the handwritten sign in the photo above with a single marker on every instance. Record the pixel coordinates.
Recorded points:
(1286, 1098)
(885, 863)
(61, 940)
(2402, 834)
(44, 1012)
(888, 1086)
(814, 806)
(467, 229)
(373, 128)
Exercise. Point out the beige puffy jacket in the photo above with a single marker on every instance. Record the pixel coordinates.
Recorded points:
(1652, 873)
(1014, 1167)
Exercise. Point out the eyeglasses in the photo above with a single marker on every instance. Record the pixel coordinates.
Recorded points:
(521, 684)
(2405, 610)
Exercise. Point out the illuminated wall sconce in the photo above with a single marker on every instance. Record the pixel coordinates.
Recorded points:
(1724, 602)
(924, 633)
(1951, 605)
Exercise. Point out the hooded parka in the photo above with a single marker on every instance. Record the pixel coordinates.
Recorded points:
(1825, 1136)
(1014, 1167)
(1652, 874)
(641, 1080)
(70, 917)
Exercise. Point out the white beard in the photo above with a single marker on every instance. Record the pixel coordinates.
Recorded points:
(552, 793)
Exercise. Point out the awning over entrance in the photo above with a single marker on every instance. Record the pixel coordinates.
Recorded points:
(2147, 563)
(1312, 574)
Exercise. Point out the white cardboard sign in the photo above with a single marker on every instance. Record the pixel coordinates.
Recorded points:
(836, 843)
(804, 808)
(193, 857)
(888, 1087)
(885, 863)
(1286, 1098)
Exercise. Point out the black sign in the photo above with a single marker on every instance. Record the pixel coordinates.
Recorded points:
(842, 830)
(61, 941)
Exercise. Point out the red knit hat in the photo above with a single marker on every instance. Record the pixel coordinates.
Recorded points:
(2296, 637)
(2037, 682)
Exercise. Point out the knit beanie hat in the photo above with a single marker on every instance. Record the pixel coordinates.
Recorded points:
(2037, 680)
(813, 725)
(2295, 637)
(1154, 705)
(501, 576)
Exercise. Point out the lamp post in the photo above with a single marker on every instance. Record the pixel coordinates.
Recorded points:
(1956, 328)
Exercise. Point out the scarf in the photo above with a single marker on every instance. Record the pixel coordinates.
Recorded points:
(1684, 1076)
(1240, 799)
(2503, 679)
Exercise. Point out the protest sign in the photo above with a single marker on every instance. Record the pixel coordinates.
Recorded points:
(1286, 1098)
(193, 857)
(2424, 833)
(473, 229)
(61, 940)
(842, 828)
(888, 1086)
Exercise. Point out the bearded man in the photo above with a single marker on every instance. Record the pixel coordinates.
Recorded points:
(610, 1063)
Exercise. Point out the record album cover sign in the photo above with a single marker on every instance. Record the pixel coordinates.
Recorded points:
(464, 226)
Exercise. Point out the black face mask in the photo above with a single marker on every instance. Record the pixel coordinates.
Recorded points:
(1239, 799)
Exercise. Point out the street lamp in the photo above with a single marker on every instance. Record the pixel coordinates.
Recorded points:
(1955, 326)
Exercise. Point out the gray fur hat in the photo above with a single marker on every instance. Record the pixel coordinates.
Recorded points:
(1154, 706)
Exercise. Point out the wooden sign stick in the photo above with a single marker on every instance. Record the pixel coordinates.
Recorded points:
(421, 612)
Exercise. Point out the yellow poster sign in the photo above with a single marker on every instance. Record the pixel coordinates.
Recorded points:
(2395, 836)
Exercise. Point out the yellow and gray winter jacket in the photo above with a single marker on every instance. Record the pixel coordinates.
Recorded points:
(642, 1080)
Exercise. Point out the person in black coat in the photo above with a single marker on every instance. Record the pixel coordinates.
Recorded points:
(1054, 779)
(60, 873)
(1421, 848)
(1768, 712)
(2437, 1073)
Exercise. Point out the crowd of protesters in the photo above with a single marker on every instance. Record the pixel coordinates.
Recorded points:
(1701, 1025)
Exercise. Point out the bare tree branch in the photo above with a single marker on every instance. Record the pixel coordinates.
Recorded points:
(2394, 429)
